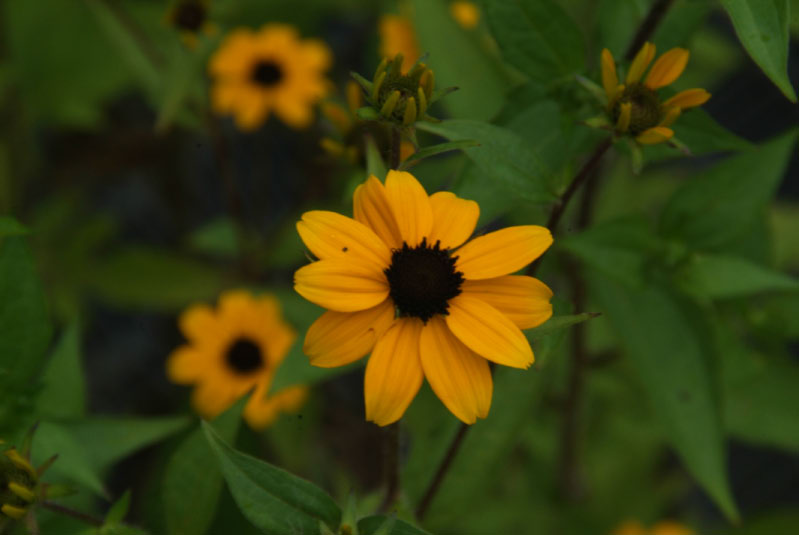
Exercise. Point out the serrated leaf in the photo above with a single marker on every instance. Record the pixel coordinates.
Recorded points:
(762, 27)
(538, 37)
(728, 277)
(272, 499)
(669, 358)
(190, 496)
(502, 156)
(435, 150)
(385, 525)
(717, 206)
(63, 393)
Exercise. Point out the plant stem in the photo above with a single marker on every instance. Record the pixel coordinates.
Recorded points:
(648, 26)
(427, 499)
(83, 517)
(396, 144)
(391, 465)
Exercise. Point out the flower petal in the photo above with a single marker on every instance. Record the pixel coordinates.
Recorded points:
(689, 98)
(670, 114)
(394, 372)
(667, 68)
(487, 332)
(332, 235)
(339, 338)
(410, 205)
(454, 219)
(502, 252)
(655, 135)
(197, 322)
(263, 409)
(211, 398)
(524, 300)
(610, 80)
(341, 285)
(185, 365)
(460, 378)
(625, 111)
(372, 208)
(640, 63)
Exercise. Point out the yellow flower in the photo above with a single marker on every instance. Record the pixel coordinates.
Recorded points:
(397, 36)
(399, 282)
(18, 485)
(232, 350)
(665, 527)
(190, 18)
(258, 72)
(634, 107)
(466, 13)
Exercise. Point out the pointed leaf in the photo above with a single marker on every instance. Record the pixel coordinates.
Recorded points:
(64, 392)
(726, 277)
(374, 525)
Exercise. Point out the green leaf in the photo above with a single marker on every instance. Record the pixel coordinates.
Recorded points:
(726, 277)
(152, 279)
(11, 227)
(668, 355)
(434, 150)
(556, 323)
(619, 248)
(74, 458)
(701, 134)
(374, 525)
(716, 207)
(374, 161)
(119, 510)
(502, 156)
(109, 440)
(64, 392)
(24, 324)
(190, 496)
(459, 59)
(217, 238)
(762, 27)
(272, 499)
(538, 37)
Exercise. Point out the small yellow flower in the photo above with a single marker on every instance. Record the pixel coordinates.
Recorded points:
(665, 527)
(467, 14)
(18, 485)
(232, 350)
(270, 70)
(634, 107)
(397, 36)
(399, 283)
(190, 18)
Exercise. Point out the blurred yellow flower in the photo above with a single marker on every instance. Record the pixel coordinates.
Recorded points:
(258, 72)
(666, 527)
(397, 36)
(190, 18)
(399, 282)
(231, 350)
(634, 107)
(466, 13)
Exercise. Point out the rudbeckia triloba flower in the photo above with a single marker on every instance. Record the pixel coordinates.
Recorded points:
(397, 36)
(665, 527)
(634, 106)
(270, 70)
(399, 282)
(190, 18)
(19, 483)
(467, 14)
(231, 350)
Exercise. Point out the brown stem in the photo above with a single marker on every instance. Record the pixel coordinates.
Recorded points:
(83, 517)
(391, 465)
(435, 483)
(648, 26)
(396, 144)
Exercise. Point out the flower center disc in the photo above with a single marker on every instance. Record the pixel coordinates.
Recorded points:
(645, 112)
(244, 356)
(190, 16)
(266, 73)
(422, 280)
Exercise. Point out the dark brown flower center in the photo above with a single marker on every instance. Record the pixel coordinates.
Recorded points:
(267, 73)
(244, 356)
(422, 280)
(189, 15)
(645, 111)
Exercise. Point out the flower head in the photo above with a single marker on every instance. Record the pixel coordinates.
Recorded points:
(231, 350)
(634, 107)
(20, 487)
(467, 14)
(397, 36)
(190, 18)
(270, 70)
(399, 281)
